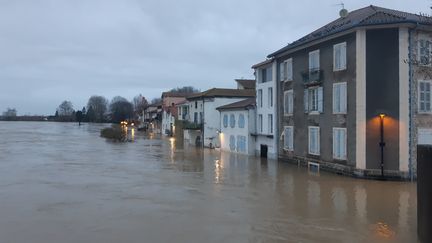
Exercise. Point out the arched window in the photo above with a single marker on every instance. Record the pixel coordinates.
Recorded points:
(241, 121)
(232, 121)
(225, 120)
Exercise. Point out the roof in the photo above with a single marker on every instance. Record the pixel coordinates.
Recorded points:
(216, 92)
(367, 16)
(243, 104)
(246, 83)
(263, 63)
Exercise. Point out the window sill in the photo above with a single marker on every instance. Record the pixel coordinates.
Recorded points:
(424, 113)
(314, 113)
(313, 154)
(339, 113)
(288, 115)
(288, 150)
(340, 159)
(338, 70)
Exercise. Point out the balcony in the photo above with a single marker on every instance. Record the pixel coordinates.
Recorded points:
(312, 77)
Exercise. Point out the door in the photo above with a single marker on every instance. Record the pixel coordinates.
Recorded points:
(264, 150)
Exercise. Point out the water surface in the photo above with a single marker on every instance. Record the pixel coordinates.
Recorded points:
(60, 182)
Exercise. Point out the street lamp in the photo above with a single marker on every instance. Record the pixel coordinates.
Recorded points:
(382, 143)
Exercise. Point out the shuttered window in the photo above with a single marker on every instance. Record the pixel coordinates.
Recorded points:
(288, 102)
(339, 56)
(289, 138)
(339, 143)
(424, 95)
(340, 98)
(314, 140)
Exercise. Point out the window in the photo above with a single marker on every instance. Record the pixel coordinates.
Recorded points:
(339, 98)
(241, 144)
(241, 121)
(285, 71)
(339, 143)
(260, 123)
(313, 100)
(289, 138)
(424, 52)
(201, 120)
(425, 96)
(225, 120)
(288, 102)
(314, 143)
(339, 56)
(260, 97)
(270, 123)
(232, 143)
(270, 97)
(196, 105)
(232, 121)
(266, 74)
(196, 117)
(314, 63)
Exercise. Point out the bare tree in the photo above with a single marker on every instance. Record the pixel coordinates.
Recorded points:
(139, 103)
(96, 108)
(185, 90)
(121, 109)
(65, 109)
(155, 101)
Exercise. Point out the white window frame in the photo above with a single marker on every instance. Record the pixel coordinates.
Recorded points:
(315, 94)
(341, 107)
(426, 39)
(286, 70)
(312, 54)
(260, 98)
(336, 144)
(342, 56)
(430, 97)
(270, 97)
(290, 145)
(288, 103)
(317, 140)
(260, 123)
(270, 127)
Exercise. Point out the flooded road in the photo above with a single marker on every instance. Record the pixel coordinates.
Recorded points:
(63, 183)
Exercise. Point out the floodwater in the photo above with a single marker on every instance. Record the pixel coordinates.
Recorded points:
(63, 183)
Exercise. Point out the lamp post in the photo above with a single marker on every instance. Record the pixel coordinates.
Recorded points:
(382, 143)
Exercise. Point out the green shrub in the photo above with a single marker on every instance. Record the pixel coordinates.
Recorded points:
(115, 133)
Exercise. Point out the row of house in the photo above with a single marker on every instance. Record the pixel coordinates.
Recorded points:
(353, 96)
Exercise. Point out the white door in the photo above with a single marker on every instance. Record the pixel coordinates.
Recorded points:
(425, 136)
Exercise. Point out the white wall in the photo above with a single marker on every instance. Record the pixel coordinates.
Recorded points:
(237, 131)
(265, 110)
(212, 119)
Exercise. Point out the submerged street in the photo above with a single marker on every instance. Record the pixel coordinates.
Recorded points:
(63, 183)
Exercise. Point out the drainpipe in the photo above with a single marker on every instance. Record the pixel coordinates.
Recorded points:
(411, 108)
(203, 123)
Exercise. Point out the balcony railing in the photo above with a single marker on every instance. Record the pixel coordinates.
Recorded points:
(313, 76)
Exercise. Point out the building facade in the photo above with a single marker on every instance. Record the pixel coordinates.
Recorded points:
(343, 84)
(266, 109)
(237, 123)
(203, 124)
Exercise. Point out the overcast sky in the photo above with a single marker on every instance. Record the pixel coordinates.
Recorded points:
(55, 50)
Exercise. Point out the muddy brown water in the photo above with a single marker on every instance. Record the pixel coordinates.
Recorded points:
(63, 183)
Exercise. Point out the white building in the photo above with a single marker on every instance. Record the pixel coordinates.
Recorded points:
(203, 119)
(237, 122)
(266, 115)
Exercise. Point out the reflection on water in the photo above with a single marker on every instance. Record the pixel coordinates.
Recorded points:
(63, 183)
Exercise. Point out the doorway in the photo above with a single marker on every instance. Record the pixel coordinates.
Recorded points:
(264, 150)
